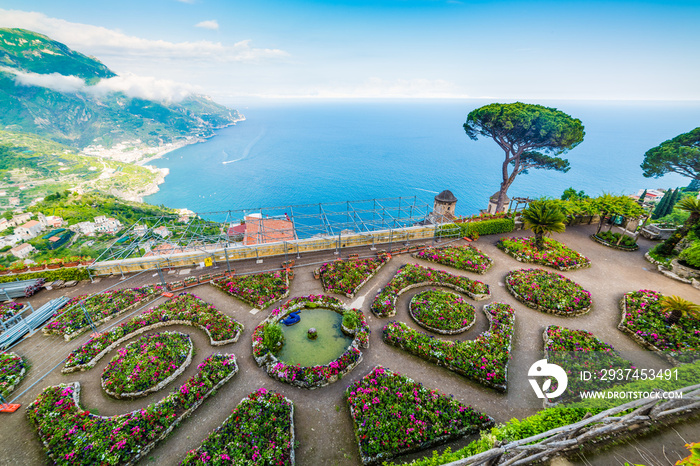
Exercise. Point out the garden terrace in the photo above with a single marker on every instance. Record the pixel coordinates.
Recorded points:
(615, 240)
(413, 276)
(484, 359)
(260, 430)
(258, 290)
(347, 277)
(442, 312)
(102, 307)
(12, 371)
(73, 436)
(467, 257)
(548, 292)
(393, 415)
(185, 309)
(554, 254)
(577, 351)
(147, 365)
(8, 310)
(644, 320)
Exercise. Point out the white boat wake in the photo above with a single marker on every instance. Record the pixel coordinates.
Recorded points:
(426, 190)
(246, 151)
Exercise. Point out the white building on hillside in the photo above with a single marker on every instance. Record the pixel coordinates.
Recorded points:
(22, 251)
(30, 230)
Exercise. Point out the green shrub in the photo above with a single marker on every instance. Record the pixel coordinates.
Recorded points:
(350, 320)
(485, 227)
(612, 238)
(70, 273)
(272, 336)
(691, 255)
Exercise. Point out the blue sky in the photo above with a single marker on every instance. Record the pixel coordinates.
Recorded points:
(504, 50)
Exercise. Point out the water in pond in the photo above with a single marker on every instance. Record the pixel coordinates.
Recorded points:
(329, 345)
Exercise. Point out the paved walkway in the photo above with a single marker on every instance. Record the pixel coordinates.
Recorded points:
(323, 426)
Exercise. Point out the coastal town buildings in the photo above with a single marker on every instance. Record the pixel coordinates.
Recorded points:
(30, 229)
(22, 251)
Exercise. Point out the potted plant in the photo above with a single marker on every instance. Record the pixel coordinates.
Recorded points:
(18, 267)
(54, 263)
(3, 270)
(86, 260)
(178, 285)
(72, 262)
(36, 267)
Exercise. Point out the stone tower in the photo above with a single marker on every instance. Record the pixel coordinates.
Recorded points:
(445, 205)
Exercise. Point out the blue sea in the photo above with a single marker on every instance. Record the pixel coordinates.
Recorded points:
(307, 152)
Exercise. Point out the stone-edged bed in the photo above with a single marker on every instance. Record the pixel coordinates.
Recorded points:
(437, 330)
(148, 447)
(160, 385)
(427, 250)
(500, 387)
(90, 364)
(81, 330)
(19, 376)
(612, 245)
(364, 282)
(546, 310)
(249, 303)
(269, 361)
(519, 258)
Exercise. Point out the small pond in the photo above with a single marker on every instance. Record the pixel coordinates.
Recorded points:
(330, 344)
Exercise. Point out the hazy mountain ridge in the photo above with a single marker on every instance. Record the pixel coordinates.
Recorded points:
(41, 93)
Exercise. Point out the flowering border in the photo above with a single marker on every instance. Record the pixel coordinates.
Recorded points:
(10, 381)
(9, 309)
(497, 339)
(387, 308)
(423, 255)
(54, 429)
(262, 397)
(220, 284)
(382, 258)
(546, 310)
(437, 330)
(311, 377)
(159, 386)
(585, 262)
(100, 345)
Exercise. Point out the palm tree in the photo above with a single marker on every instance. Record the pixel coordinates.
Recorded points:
(678, 308)
(688, 204)
(542, 218)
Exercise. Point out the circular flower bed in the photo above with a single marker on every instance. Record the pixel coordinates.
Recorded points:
(460, 257)
(258, 290)
(442, 312)
(312, 376)
(146, 365)
(553, 254)
(347, 277)
(12, 371)
(548, 292)
(610, 239)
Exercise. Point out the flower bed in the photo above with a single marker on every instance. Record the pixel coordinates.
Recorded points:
(146, 365)
(393, 415)
(442, 312)
(548, 292)
(258, 290)
(347, 277)
(185, 309)
(643, 320)
(102, 307)
(72, 436)
(554, 254)
(460, 257)
(412, 276)
(311, 376)
(9, 309)
(12, 371)
(484, 359)
(577, 351)
(610, 239)
(259, 431)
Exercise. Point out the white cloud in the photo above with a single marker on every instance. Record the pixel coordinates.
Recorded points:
(211, 24)
(53, 81)
(102, 42)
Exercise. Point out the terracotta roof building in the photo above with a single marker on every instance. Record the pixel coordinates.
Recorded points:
(267, 230)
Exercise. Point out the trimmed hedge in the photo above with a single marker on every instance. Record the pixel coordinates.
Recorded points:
(68, 273)
(486, 227)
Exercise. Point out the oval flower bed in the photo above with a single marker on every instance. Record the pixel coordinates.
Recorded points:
(610, 239)
(311, 376)
(185, 309)
(643, 320)
(393, 415)
(577, 351)
(258, 290)
(412, 276)
(554, 254)
(260, 430)
(484, 359)
(72, 436)
(71, 321)
(442, 312)
(146, 365)
(12, 371)
(347, 277)
(548, 292)
(460, 257)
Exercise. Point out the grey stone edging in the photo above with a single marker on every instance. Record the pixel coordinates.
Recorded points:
(546, 310)
(479, 272)
(357, 288)
(243, 300)
(20, 377)
(648, 257)
(394, 298)
(611, 245)
(91, 363)
(561, 269)
(148, 447)
(436, 330)
(81, 330)
(161, 385)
